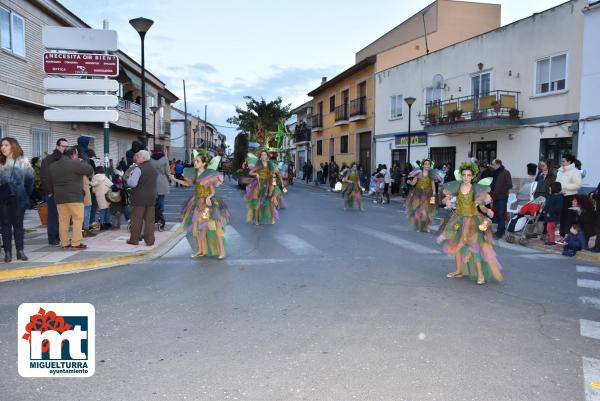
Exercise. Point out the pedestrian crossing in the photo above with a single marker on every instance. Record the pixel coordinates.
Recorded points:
(590, 329)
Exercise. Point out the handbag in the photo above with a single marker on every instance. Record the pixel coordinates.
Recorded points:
(6, 191)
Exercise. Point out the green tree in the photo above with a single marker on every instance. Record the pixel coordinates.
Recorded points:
(260, 117)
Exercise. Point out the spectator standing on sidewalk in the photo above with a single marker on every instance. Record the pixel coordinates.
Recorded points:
(396, 176)
(552, 210)
(501, 184)
(101, 184)
(387, 179)
(16, 184)
(325, 173)
(142, 178)
(67, 177)
(544, 179)
(178, 172)
(87, 206)
(570, 179)
(48, 189)
(161, 165)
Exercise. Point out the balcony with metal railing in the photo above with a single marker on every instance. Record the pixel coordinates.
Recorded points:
(495, 109)
(317, 122)
(130, 115)
(358, 109)
(341, 114)
(302, 133)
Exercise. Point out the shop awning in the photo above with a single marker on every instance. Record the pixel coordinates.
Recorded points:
(135, 80)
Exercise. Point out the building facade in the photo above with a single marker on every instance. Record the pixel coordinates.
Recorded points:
(475, 99)
(589, 123)
(342, 120)
(22, 92)
(200, 134)
(301, 129)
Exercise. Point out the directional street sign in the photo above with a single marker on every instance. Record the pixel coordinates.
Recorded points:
(83, 85)
(81, 115)
(81, 100)
(81, 64)
(58, 37)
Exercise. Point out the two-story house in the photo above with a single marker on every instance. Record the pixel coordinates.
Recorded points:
(22, 92)
(301, 130)
(511, 93)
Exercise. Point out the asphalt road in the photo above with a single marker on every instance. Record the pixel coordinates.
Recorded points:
(324, 305)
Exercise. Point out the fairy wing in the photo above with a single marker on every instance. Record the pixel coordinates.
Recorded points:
(252, 159)
(211, 177)
(457, 175)
(486, 181)
(451, 186)
(214, 163)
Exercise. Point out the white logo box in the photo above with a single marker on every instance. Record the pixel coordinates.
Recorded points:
(79, 363)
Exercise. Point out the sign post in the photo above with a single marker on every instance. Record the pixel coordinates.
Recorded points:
(82, 64)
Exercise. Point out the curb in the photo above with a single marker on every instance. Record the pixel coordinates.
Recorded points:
(87, 265)
(581, 255)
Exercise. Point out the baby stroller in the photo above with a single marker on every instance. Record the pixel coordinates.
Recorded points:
(526, 223)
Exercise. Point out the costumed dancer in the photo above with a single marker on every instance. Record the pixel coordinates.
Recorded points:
(279, 187)
(467, 235)
(351, 189)
(205, 215)
(421, 205)
(260, 194)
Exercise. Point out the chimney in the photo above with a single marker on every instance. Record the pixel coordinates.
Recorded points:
(105, 24)
(323, 80)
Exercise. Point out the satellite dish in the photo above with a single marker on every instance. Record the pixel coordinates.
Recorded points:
(438, 81)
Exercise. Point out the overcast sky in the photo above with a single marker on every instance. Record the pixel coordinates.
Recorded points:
(230, 48)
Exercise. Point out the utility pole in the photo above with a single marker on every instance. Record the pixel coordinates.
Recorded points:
(106, 127)
(185, 124)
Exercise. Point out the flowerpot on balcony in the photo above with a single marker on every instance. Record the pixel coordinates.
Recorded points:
(478, 115)
(444, 120)
(496, 106)
(432, 119)
(513, 113)
(42, 209)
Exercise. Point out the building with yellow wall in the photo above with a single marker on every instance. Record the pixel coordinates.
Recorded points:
(342, 119)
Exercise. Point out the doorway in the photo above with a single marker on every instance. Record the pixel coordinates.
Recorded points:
(331, 149)
(443, 155)
(364, 155)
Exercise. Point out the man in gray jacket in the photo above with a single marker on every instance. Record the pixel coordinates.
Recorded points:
(67, 181)
(141, 176)
(501, 184)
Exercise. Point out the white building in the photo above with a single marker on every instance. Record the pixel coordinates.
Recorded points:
(302, 132)
(589, 125)
(530, 68)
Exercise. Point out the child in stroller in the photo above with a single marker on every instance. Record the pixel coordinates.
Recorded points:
(526, 223)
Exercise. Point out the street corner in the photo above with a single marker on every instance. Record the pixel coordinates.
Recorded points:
(107, 249)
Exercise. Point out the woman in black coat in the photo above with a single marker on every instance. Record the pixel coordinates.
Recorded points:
(546, 176)
(595, 197)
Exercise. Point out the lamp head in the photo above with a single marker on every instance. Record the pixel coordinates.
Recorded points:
(154, 108)
(409, 100)
(141, 25)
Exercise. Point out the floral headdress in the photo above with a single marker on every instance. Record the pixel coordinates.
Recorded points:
(472, 167)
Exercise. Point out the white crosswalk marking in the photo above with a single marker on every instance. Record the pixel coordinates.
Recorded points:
(392, 239)
(512, 247)
(590, 301)
(593, 284)
(590, 329)
(588, 269)
(591, 378)
(296, 245)
(233, 238)
(542, 256)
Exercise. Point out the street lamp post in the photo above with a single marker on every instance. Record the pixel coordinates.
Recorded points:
(142, 25)
(409, 101)
(154, 109)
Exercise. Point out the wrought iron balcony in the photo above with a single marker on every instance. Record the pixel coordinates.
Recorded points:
(317, 122)
(496, 108)
(341, 113)
(302, 132)
(358, 108)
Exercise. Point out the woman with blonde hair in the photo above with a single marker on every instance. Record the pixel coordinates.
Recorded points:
(16, 185)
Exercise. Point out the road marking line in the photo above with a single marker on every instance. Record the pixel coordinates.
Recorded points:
(591, 378)
(296, 245)
(593, 284)
(251, 262)
(588, 269)
(590, 329)
(175, 227)
(590, 301)
(395, 240)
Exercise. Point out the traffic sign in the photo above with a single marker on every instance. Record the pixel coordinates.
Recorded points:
(81, 100)
(82, 115)
(66, 38)
(78, 84)
(81, 64)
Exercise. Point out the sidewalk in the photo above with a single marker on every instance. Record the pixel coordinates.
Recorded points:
(533, 243)
(108, 248)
